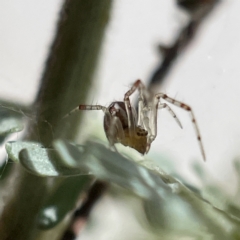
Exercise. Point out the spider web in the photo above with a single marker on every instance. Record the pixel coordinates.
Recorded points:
(22, 117)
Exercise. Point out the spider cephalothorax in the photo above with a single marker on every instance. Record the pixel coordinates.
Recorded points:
(138, 129)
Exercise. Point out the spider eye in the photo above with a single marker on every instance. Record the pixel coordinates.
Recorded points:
(142, 132)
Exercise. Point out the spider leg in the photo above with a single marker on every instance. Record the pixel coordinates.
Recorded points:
(115, 131)
(140, 110)
(86, 107)
(185, 107)
(142, 90)
(115, 126)
(146, 124)
(131, 121)
(164, 105)
(145, 120)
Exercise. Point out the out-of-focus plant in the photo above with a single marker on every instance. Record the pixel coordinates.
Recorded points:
(172, 209)
(52, 172)
(65, 81)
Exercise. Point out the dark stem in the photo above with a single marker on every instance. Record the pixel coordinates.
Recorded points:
(81, 215)
(198, 11)
(65, 83)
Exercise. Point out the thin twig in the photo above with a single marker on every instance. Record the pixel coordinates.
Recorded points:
(81, 215)
(198, 11)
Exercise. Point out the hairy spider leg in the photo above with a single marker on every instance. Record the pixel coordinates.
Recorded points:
(131, 121)
(86, 107)
(143, 119)
(164, 105)
(146, 121)
(114, 125)
(115, 128)
(142, 109)
(183, 106)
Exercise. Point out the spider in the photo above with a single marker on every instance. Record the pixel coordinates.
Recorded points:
(123, 124)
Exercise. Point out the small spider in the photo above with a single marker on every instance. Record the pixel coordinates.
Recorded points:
(122, 123)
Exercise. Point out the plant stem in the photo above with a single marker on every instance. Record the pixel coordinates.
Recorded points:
(65, 83)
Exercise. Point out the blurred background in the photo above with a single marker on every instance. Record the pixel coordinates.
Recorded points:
(205, 77)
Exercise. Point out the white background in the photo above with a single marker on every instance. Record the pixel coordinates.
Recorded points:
(206, 76)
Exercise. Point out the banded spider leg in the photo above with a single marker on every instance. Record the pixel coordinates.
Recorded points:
(178, 104)
(138, 130)
(143, 109)
(114, 126)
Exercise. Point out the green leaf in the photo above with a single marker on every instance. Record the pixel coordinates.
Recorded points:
(10, 122)
(46, 162)
(173, 200)
(218, 222)
(40, 161)
(13, 148)
(113, 167)
(61, 201)
(10, 125)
